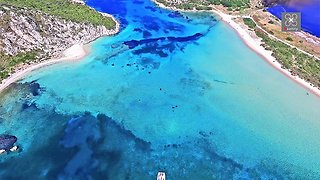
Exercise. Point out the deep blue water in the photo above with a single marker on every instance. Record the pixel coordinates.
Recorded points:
(310, 15)
(178, 92)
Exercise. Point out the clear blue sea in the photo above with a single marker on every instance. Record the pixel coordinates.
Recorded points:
(310, 14)
(174, 92)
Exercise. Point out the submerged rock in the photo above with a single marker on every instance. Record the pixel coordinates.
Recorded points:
(7, 142)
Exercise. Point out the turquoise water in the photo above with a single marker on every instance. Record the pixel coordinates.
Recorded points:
(174, 92)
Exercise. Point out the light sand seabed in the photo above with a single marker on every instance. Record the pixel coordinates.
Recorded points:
(256, 46)
(73, 53)
(77, 51)
(267, 55)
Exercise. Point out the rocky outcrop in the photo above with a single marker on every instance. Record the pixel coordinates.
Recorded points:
(23, 30)
(7, 142)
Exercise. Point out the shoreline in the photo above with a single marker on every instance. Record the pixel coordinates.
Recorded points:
(265, 54)
(74, 53)
(254, 45)
(78, 51)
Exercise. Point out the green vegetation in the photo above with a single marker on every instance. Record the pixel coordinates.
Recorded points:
(231, 3)
(271, 32)
(204, 4)
(249, 22)
(299, 63)
(7, 62)
(289, 39)
(64, 9)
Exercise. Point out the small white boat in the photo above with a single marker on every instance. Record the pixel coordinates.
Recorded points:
(161, 175)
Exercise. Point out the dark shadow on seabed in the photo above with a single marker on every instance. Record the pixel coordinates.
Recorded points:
(90, 144)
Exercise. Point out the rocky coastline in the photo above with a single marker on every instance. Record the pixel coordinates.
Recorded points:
(23, 30)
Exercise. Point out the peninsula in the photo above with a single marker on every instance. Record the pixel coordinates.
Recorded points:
(38, 33)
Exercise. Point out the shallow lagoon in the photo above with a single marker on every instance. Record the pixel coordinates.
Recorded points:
(174, 92)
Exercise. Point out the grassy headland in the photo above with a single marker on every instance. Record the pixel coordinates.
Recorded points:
(64, 9)
(60, 9)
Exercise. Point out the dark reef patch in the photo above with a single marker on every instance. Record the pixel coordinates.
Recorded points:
(28, 87)
(98, 140)
(174, 27)
(151, 23)
(134, 43)
(25, 88)
(186, 38)
(28, 105)
(153, 9)
(110, 123)
(152, 49)
(7, 141)
(137, 30)
(45, 157)
(149, 63)
(195, 84)
(34, 88)
(175, 14)
(138, 1)
(146, 34)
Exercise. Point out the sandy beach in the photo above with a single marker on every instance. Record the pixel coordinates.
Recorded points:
(73, 53)
(78, 51)
(255, 45)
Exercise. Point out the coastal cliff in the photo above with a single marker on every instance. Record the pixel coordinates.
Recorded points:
(29, 36)
(24, 30)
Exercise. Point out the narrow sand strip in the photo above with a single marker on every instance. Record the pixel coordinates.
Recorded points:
(75, 52)
(267, 55)
(255, 45)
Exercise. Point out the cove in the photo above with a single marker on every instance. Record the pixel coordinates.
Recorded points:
(178, 92)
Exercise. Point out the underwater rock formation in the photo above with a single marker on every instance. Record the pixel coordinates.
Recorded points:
(134, 43)
(7, 142)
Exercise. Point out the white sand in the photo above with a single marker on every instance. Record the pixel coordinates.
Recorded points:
(75, 52)
(255, 45)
